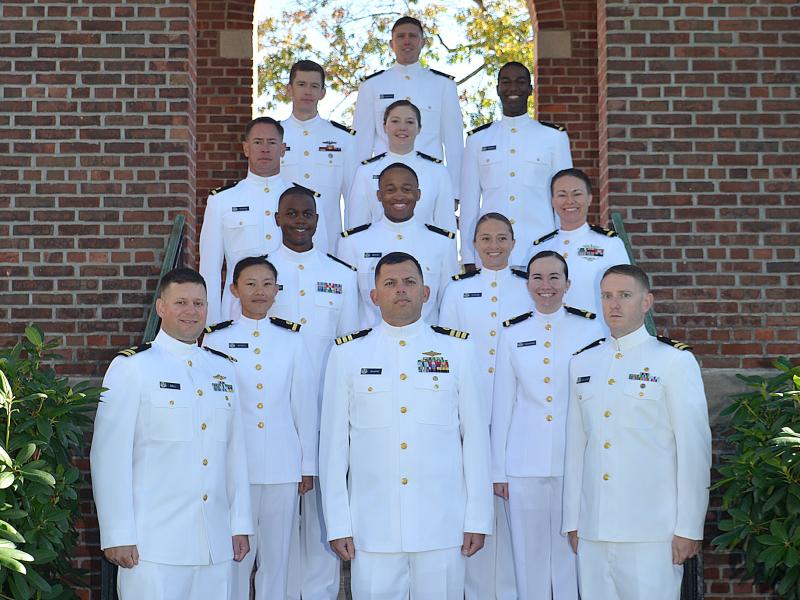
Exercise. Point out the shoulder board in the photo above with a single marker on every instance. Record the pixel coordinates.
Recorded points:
(356, 229)
(341, 262)
(438, 161)
(367, 161)
(316, 194)
(517, 319)
(520, 273)
(673, 343)
(220, 354)
(480, 128)
(285, 324)
(216, 191)
(592, 345)
(603, 231)
(580, 312)
(352, 336)
(461, 276)
(544, 238)
(442, 74)
(218, 326)
(372, 75)
(134, 350)
(440, 231)
(553, 125)
(349, 130)
(462, 335)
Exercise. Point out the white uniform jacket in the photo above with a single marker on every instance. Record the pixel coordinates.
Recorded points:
(321, 155)
(435, 250)
(638, 442)
(404, 442)
(531, 391)
(168, 461)
(278, 394)
(436, 204)
(589, 250)
(435, 95)
(507, 168)
(239, 222)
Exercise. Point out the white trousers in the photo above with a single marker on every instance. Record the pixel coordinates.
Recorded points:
(628, 571)
(156, 581)
(432, 575)
(543, 560)
(274, 515)
(313, 566)
(490, 571)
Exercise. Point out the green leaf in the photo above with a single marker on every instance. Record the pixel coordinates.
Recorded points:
(25, 453)
(34, 335)
(37, 581)
(8, 532)
(39, 475)
(771, 556)
(6, 479)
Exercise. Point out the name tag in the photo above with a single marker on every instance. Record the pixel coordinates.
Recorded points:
(280, 287)
(376, 176)
(584, 379)
(524, 344)
(473, 294)
(371, 371)
(240, 209)
(486, 148)
(237, 345)
(168, 385)
(288, 148)
(386, 96)
(373, 254)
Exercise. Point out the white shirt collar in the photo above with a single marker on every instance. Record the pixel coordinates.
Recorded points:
(515, 121)
(555, 317)
(398, 227)
(582, 230)
(633, 339)
(308, 123)
(252, 324)
(263, 181)
(173, 346)
(410, 330)
(296, 257)
(412, 67)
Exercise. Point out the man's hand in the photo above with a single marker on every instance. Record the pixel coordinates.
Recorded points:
(344, 548)
(123, 556)
(306, 484)
(472, 543)
(241, 546)
(501, 490)
(470, 267)
(573, 540)
(683, 549)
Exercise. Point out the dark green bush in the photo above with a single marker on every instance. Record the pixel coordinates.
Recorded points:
(761, 480)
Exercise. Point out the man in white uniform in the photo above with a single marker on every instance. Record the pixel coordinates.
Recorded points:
(638, 454)
(320, 293)
(433, 92)
(320, 154)
(508, 166)
(399, 231)
(588, 249)
(404, 448)
(169, 467)
(279, 409)
(240, 219)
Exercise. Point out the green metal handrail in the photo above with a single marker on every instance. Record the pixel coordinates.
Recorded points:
(172, 259)
(619, 227)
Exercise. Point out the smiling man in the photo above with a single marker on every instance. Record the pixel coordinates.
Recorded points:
(508, 166)
(404, 447)
(638, 455)
(169, 467)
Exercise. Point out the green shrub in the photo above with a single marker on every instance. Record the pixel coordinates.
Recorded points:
(761, 480)
(42, 422)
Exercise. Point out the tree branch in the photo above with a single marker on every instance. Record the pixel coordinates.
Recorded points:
(472, 74)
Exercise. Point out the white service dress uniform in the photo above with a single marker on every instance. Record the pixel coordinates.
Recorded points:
(321, 294)
(278, 394)
(434, 93)
(589, 250)
(638, 464)
(169, 469)
(529, 426)
(479, 302)
(507, 169)
(434, 248)
(404, 458)
(320, 155)
(240, 222)
(436, 204)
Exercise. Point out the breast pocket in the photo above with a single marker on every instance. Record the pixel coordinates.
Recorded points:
(537, 170)
(436, 399)
(431, 116)
(223, 419)
(372, 402)
(170, 419)
(643, 405)
(328, 160)
(492, 169)
(587, 405)
(241, 231)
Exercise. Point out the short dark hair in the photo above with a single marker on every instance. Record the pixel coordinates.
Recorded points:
(252, 261)
(514, 63)
(406, 20)
(306, 66)
(397, 165)
(493, 216)
(549, 254)
(180, 275)
(398, 104)
(572, 172)
(298, 190)
(262, 121)
(396, 258)
(631, 271)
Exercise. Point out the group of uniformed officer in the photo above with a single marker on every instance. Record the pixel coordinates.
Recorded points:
(338, 408)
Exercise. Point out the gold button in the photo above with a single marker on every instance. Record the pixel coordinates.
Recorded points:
(549, 417)
(642, 385)
(547, 344)
(305, 153)
(512, 221)
(260, 405)
(606, 477)
(258, 367)
(492, 333)
(436, 386)
(566, 241)
(494, 298)
(513, 174)
(369, 389)
(607, 414)
(493, 314)
(491, 369)
(565, 255)
(260, 386)
(548, 327)
(257, 351)
(188, 362)
(301, 267)
(199, 392)
(546, 361)
(307, 176)
(302, 292)
(403, 376)
(205, 462)
(435, 378)
(303, 321)
(611, 382)
(403, 446)
(512, 197)
(408, 77)
(256, 334)
(402, 342)
(549, 398)
(547, 380)
(305, 132)
(403, 409)
(492, 352)
(399, 236)
(203, 426)
(172, 402)
(241, 222)
(404, 481)
(494, 284)
(607, 445)
(268, 237)
(513, 151)
(513, 130)
(205, 497)
(261, 424)
(641, 394)
(646, 369)
(267, 213)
